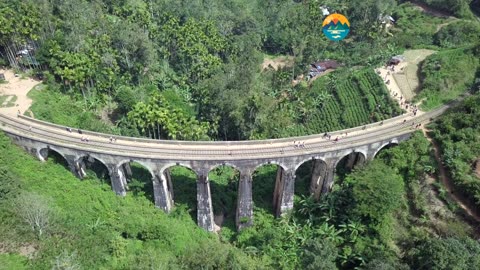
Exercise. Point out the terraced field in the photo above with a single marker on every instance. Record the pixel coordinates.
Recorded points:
(360, 99)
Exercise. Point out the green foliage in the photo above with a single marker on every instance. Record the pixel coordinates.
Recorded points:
(457, 34)
(447, 74)
(52, 106)
(457, 134)
(9, 186)
(359, 99)
(19, 20)
(158, 119)
(446, 253)
(377, 191)
(13, 261)
(320, 254)
(459, 8)
(415, 27)
(107, 231)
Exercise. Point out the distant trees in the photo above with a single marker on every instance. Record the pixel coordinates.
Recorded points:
(459, 8)
(377, 192)
(320, 254)
(158, 119)
(446, 253)
(457, 133)
(19, 26)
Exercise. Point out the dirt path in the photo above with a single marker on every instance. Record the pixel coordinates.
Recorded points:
(446, 182)
(18, 87)
(404, 81)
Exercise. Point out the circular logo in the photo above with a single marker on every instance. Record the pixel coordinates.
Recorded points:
(336, 27)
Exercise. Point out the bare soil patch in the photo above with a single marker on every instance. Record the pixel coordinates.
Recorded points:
(404, 81)
(277, 62)
(25, 249)
(19, 87)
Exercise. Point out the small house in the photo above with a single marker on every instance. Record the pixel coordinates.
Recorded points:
(321, 66)
(395, 60)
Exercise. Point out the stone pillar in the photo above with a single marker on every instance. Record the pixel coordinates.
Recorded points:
(79, 168)
(74, 167)
(118, 180)
(244, 217)
(329, 176)
(161, 193)
(127, 170)
(284, 188)
(351, 160)
(278, 188)
(204, 204)
(319, 172)
(360, 160)
(168, 176)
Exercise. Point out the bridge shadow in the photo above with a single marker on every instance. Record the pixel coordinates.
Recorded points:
(96, 171)
(140, 182)
(52, 156)
(184, 190)
(263, 187)
(303, 178)
(347, 164)
(224, 190)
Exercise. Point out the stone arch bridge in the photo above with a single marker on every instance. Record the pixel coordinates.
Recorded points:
(358, 144)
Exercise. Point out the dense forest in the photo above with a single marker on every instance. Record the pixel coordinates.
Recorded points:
(193, 70)
(196, 67)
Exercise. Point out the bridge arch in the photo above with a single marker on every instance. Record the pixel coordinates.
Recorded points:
(307, 160)
(139, 177)
(224, 164)
(170, 165)
(128, 161)
(99, 166)
(385, 146)
(347, 162)
(360, 153)
(43, 153)
(224, 182)
(266, 163)
(310, 175)
(181, 185)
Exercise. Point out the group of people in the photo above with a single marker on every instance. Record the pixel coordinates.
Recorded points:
(298, 144)
(329, 136)
(85, 139)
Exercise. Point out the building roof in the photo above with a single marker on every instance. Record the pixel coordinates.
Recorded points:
(328, 64)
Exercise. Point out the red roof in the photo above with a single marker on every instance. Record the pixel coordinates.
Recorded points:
(328, 64)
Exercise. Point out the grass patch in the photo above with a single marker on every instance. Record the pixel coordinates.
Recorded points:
(413, 27)
(7, 101)
(446, 75)
(12, 261)
(104, 230)
(53, 106)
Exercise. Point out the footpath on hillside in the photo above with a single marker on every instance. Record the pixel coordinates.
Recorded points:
(469, 208)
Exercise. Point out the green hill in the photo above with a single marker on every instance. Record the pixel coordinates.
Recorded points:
(102, 230)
